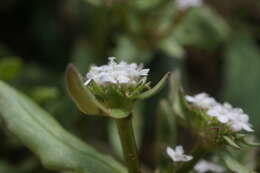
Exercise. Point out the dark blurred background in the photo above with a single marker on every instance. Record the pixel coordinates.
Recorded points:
(216, 47)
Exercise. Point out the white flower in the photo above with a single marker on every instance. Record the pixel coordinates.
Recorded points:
(116, 73)
(202, 100)
(178, 155)
(204, 166)
(185, 4)
(224, 113)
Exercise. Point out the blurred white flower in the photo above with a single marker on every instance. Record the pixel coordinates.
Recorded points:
(178, 155)
(204, 166)
(116, 73)
(185, 4)
(202, 100)
(224, 113)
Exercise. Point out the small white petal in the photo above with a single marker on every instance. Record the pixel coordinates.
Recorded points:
(190, 99)
(116, 73)
(123, 79)
(144, 72)
(87, 82)
(204, 166)
(179, 149)
(247, 127)
(223, 119)
(177, 154)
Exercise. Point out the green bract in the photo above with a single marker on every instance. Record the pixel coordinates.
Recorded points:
(111, 100)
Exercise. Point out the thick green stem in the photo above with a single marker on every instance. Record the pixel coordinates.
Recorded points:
(126, 133)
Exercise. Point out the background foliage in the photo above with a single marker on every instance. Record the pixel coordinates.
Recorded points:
(215, 46)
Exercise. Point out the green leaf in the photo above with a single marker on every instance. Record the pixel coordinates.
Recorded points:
(235, 166)
(231, 142)
(155, 89)
(57, 148)
(241, 68)
(145, 4)
(250, 143)
(203, 28)
(10, 67)
(176, 96)
(130, 51)
(78, 92)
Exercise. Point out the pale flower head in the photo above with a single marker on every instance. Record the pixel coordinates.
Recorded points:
(204, 166)
(116, 73)
(185, 4)
(202, 100)
(235, 118)
(178, 155)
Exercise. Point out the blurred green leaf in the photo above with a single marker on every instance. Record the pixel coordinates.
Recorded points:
(165, 130)
(203, 28)
(231, 142)
(7, 168)
(129, 51)
(241, 75)
(235, 166)
(172, 48)
(43, 93)
(56, 147)
(145, 4)
(10, 67)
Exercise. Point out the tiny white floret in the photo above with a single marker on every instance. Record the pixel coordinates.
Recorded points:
(116, 73)
(178, 155)
(202, 100)
(224, 113)
(205, 166)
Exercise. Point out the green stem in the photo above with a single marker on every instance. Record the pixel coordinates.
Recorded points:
(126, 133)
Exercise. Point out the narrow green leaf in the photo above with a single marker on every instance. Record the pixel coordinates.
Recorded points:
(155, 89)
(231, 142)
(250, 143)
(57, 148)
(235, 166)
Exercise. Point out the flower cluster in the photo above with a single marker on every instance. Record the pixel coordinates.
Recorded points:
(178, 155)
(116, 73)
(205, 166)
(185, 4)
(224, 113)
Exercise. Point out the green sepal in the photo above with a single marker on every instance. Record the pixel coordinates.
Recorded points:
(84, 99)
(153, 90)
(231, 142)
